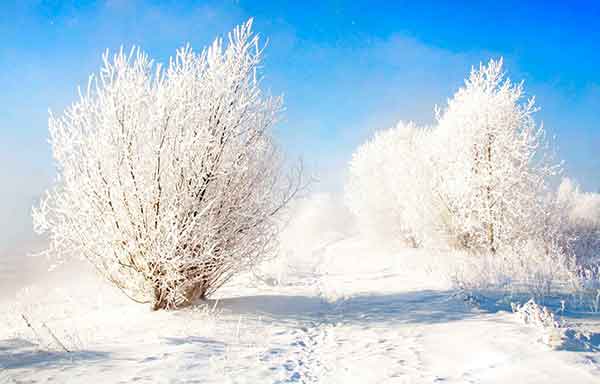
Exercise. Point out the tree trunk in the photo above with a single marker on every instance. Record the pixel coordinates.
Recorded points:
(490, 226)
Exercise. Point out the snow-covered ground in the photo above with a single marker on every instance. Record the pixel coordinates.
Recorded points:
(343, 312)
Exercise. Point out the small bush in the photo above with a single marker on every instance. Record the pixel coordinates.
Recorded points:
(577, 218)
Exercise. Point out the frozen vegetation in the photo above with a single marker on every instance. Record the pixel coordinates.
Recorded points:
(459, 252)
(479, 183)
(335, 308)
(168, 177)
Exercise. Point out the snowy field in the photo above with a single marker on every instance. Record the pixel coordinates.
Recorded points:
(162, 231)
(336, 311)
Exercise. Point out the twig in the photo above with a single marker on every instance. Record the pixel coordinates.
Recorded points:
(55, 338)
(32, 329)
(37, 335)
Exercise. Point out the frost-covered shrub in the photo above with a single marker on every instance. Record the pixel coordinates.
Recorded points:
(577, 221)
(534, 269)
(561, 255)
(535, 314)
(168, 177)
(387, 188)
(575, 231)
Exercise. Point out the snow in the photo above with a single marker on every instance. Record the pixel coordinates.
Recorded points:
(339, 311)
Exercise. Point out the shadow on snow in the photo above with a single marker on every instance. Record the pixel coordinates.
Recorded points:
(427, 307)
(18, 353)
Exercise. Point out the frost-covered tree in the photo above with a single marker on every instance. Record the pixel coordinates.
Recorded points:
(168, 178)
(491, 163)
(386, 185)
(478, 179)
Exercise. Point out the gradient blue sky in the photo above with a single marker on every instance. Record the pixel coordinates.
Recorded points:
(346, 69)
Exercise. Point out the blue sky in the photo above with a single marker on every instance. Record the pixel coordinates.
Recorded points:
(346, 69)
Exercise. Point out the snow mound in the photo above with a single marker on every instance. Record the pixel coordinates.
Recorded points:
(535, 314)
(556, 333)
